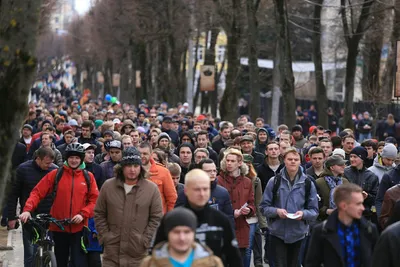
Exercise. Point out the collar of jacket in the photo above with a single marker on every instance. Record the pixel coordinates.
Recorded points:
(153, 168)
(354, 169)
(229, 178)
(120, 183)
(214, 184)
(160, 252)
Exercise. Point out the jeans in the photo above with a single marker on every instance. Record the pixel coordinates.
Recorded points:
(247, 259)
(66, 244)
(364, 136)
(94, 259)
(29, 248)
(257, 247)
(303, 250)
(286, 255)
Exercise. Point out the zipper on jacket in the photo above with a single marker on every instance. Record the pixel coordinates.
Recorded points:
(72, 194)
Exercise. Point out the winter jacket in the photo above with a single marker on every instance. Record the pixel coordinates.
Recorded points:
(58, 158)
(99, 158)
(389, 179)
(97, 172)
(62, 149)
(72, 197)
(162, 178)
(378, 169)
(265, 173)
(392, 195)
(218, 145)
(28, 175)
(108, 168)
(219, 200)
(300, 143)
(126, 223)
(179, 190)
(203, 257)
(324, 193)
(333, 123)
(19, 155)
(313, 117)
(241, 192)
(213, 230)
(386, 253)
(213, 155)
(369, 183)
(310, 171)
(27, 146)
(290, 198)
(325, 248)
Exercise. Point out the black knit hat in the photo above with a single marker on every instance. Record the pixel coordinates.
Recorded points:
(180, 217)
(360, 152)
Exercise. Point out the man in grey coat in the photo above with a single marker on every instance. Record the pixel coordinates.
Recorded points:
(289, 204)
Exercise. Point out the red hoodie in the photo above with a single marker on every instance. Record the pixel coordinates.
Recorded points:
(72, 197)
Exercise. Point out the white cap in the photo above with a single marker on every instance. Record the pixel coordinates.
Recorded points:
(340, 152)
(87, 145)
(73, 122)
(186, 104)
(116, 121)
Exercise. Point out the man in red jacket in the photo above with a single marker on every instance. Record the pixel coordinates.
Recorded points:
(72, 200)
(240, 188)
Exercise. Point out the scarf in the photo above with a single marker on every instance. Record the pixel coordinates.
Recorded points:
(349, 238)
(332, 182)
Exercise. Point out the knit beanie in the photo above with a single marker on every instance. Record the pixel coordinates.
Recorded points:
(180, 217)
(389, 151)
(28, 126)
(360, 152)
(98, 123)
(163, 135)
(131, 156)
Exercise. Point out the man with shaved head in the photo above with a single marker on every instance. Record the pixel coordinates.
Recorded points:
(213, 226)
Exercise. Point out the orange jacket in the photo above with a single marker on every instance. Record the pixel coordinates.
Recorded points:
(162, 178)
(72, 197)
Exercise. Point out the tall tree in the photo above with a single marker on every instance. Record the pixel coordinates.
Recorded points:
(252, 51)
(322, 98)
(353, 30)
(19, 27)
(285, 62)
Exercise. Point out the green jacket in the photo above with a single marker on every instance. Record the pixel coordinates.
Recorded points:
(324, 193)
(258, 195)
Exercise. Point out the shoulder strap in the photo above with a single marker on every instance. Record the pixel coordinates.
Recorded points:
(308, 192)
(57, 179)
(277, 184)
(87, 179)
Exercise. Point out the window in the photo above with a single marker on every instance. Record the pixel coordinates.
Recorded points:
(220, 53)
(200, 52)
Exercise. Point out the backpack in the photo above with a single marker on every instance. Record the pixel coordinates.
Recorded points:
(59, 175)
(277, 184)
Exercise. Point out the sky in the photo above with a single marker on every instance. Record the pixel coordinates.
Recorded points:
(82, 6)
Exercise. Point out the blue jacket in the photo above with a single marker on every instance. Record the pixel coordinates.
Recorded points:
(108, 169)
(292, 199)
(219, 200)
(94, 245)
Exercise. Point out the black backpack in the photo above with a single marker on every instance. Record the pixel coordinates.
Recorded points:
(59, 174)
(277, 184)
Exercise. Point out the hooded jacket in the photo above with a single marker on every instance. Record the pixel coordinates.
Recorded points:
(72, 197)
(291, 198)
(203, 257)
(265, 173)
(259, 146)
(92, 140)
(108, 168)
(213, 230)
(378, 169)
(126, 223)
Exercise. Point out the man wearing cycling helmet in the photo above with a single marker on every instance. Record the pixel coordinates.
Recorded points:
(73, 198)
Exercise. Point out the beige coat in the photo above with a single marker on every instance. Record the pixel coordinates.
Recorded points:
(126, 223)
(203, 257)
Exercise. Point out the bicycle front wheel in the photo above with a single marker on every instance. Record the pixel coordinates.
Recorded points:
(47, 260)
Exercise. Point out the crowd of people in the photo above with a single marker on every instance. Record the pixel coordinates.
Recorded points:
(159, 186)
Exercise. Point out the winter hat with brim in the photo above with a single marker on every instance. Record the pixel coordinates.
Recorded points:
(131, 156)
(180, 217)
(113, 144)
(247, 158)
(360, 152)
(335, 160)
(389, 151)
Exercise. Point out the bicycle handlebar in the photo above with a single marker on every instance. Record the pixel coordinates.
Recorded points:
(47, 218)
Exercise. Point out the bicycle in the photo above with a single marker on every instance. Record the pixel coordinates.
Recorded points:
(45, 256)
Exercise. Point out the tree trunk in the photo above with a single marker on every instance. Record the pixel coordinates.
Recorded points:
(18, 39)
(389, 72)
(322, 98)
(252, 35)
(285, 64)
(353, 37)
